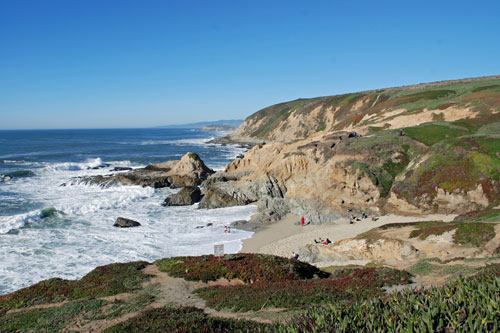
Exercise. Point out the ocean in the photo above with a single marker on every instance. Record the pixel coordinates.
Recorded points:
(49, 230)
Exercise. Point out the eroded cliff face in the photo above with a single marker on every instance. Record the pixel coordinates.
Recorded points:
(315, 178)
(329, 175)
(431, 148)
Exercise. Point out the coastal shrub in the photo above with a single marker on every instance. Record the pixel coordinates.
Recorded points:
(456, 166)
(474, 233)
(436, 229)
(467, 233)
(430, 134)
(51, 319)
(120, 307)
(103, 281)
(349, 284)
(487, 215)
(247, 267)
(488, 87)
(471, 304)
(193, 156)
(185, 319)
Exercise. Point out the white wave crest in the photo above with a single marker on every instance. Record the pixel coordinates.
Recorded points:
(73, 166)
(8, 223)
(182, 142)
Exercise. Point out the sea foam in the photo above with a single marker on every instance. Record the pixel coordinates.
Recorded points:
(71, 232)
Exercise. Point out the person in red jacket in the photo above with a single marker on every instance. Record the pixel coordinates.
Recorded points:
(302, 221)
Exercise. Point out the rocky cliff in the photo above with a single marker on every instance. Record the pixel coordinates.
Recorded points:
(410, 150)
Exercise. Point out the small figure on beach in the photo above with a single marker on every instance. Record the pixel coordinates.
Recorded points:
(229, 229)
(374, 218)
(302, 221)
(294, 256)
(225, 229)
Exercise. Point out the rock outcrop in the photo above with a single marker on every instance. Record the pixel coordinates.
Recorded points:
(358, 251)
(123, 222)
(186, 196)
(226, 193)
(188, 171)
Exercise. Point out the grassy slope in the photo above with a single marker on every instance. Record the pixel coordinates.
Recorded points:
(481, 95)
(461, 157)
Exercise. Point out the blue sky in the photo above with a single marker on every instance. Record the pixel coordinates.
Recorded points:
(94, 64)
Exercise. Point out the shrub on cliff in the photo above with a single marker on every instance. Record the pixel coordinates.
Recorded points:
(247, 267)
(103, 281)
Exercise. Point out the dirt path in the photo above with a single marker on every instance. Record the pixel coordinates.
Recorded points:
(177, 292)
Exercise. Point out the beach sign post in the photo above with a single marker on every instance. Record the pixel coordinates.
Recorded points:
(219, 250)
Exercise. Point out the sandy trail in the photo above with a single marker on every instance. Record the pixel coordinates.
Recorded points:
(284, 237)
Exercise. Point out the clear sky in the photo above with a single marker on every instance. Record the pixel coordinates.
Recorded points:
(104, 63)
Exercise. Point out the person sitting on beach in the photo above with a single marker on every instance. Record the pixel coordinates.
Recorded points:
(294, 256)
(328, 241)
(225, 228)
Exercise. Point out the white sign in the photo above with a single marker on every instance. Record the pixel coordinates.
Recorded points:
(219, 250)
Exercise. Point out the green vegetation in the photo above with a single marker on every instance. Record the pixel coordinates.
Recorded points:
(51, 319)
(427, 95)
(480, 95)
(432, 133)
(485, 215)
(193, 156)
(185, 319)
(136, 303)
(385, 156)
(345, 285)
(455, 164)
(471, 304)
(432, 265)
(350, 299)
(475, 234)
(247, 267)
(483, 88)
(103, 281)
(466, 234)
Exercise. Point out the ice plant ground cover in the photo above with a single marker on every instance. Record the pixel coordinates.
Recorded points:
(349, 299)
(354, 285)
(244, 266)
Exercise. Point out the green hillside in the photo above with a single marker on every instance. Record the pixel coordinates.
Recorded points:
(481, 95)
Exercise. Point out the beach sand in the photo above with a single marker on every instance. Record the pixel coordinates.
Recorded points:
(286, 235)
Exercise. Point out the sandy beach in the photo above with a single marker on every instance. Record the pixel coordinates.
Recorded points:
(285, 236)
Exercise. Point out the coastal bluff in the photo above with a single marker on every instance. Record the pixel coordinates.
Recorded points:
(423, 149)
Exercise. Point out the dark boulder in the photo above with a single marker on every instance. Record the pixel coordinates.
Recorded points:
(123, 222)
(186, 196)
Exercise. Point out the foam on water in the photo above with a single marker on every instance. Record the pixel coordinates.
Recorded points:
(66, 231)
(181, 142)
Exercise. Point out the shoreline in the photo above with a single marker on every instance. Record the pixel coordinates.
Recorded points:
(285, 236)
